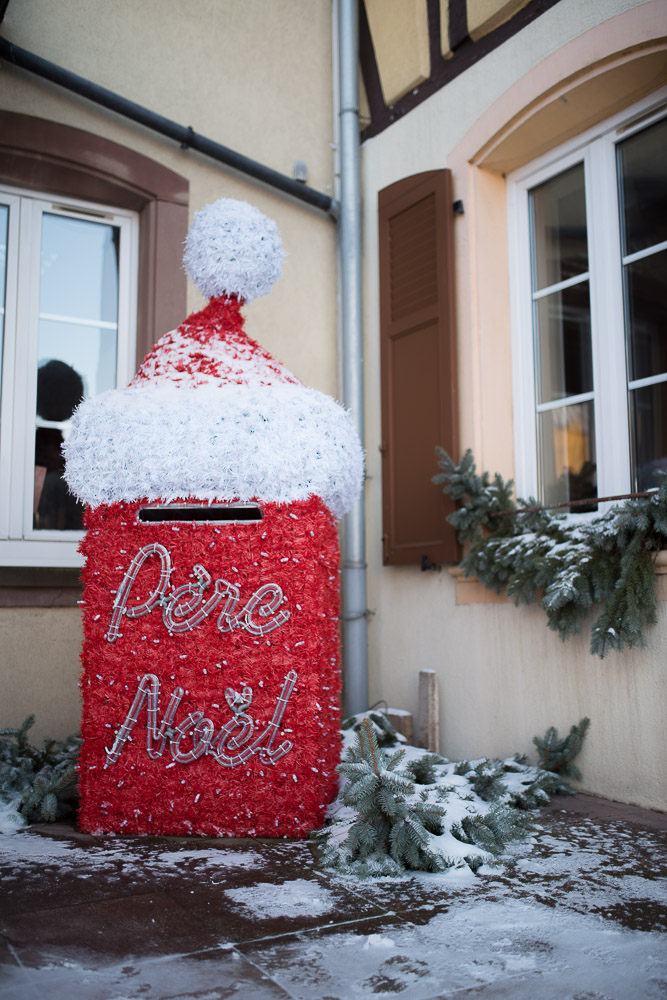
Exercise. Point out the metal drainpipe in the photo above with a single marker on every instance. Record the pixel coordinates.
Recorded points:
(354, 609)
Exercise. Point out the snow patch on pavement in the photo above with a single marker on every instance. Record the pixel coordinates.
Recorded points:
(286, 899)
(119, 853)
(531, 949)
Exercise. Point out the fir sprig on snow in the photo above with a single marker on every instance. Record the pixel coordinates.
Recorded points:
(556, 754)
(410, 811)
(541, 557)
(384, 731)
(390, 832)
(39, 783)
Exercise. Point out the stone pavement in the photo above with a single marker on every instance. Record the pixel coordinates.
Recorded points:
(579, 912)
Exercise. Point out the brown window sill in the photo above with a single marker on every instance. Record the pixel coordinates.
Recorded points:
(34, 587)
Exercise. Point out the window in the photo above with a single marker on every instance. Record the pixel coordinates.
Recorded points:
(588, 272)
(68, 295)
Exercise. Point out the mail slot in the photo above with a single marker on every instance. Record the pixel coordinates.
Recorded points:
(213, 486)
(154, 513)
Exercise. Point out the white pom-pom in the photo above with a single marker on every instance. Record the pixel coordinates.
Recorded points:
(233, 249)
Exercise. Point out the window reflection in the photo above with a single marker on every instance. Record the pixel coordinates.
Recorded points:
(59, 392)
(563, 331)
(648, 410)
(641, 163)
(77, 349)
(646, 315)
(643, 189)
(560, 244)
(567, 455)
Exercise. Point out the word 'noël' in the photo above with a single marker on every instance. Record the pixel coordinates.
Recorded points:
(231, 745)
(183, 608)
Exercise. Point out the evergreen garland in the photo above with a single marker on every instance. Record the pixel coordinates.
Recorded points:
(422, 771)
(541, 557)
(41, 784)
(491, 831)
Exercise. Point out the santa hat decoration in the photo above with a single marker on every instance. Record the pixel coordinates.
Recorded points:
(210, 415)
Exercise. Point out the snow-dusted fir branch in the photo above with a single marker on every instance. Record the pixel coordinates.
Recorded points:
(405, 810)
(36, 785)
(542, 557)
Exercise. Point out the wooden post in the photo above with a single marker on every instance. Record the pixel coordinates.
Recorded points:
(402, 722)
(428, 718)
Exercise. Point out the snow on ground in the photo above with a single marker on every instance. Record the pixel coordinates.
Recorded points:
(10, 819)
(535, 952)
(289, 899)
(575, 913)
(116, 853)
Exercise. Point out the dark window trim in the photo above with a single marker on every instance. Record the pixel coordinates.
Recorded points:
(42, 155)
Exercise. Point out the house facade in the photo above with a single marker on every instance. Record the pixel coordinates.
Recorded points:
(504, 145)
(486, 123)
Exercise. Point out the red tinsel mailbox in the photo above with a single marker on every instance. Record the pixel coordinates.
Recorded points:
(213, 483)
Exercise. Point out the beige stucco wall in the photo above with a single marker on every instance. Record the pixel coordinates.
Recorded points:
(503, 676)
(39, 666)
(255, 76)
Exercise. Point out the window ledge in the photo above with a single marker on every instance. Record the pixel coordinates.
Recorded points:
(39, 587)
(469, 590)
(39, 597)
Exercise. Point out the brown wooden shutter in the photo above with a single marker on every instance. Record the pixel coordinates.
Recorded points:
(418, 357)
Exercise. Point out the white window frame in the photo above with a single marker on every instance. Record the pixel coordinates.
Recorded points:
(596, 149)
(20, 544)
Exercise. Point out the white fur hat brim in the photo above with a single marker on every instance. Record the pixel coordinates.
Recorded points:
(279, 443)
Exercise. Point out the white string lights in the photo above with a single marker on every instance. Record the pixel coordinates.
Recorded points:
(202, 731)
(184, 608)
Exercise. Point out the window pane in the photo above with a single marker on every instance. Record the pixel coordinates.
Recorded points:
(4, 227)
(79, 269)
(558, 212)
(648, 412)
(646, 315)
(77, 346)
(642, 161)
(91, 350)
(567, 455)
(563, 341)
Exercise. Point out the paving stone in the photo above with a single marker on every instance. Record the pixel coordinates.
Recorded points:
(140, 925)
(117, 867)
(287, 902)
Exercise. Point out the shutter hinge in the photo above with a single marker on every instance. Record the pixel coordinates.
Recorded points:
(427, 564)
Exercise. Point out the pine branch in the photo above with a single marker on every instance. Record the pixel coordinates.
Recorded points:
(536, 556)
(44, 781)
(556, 754)
(395, 828)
